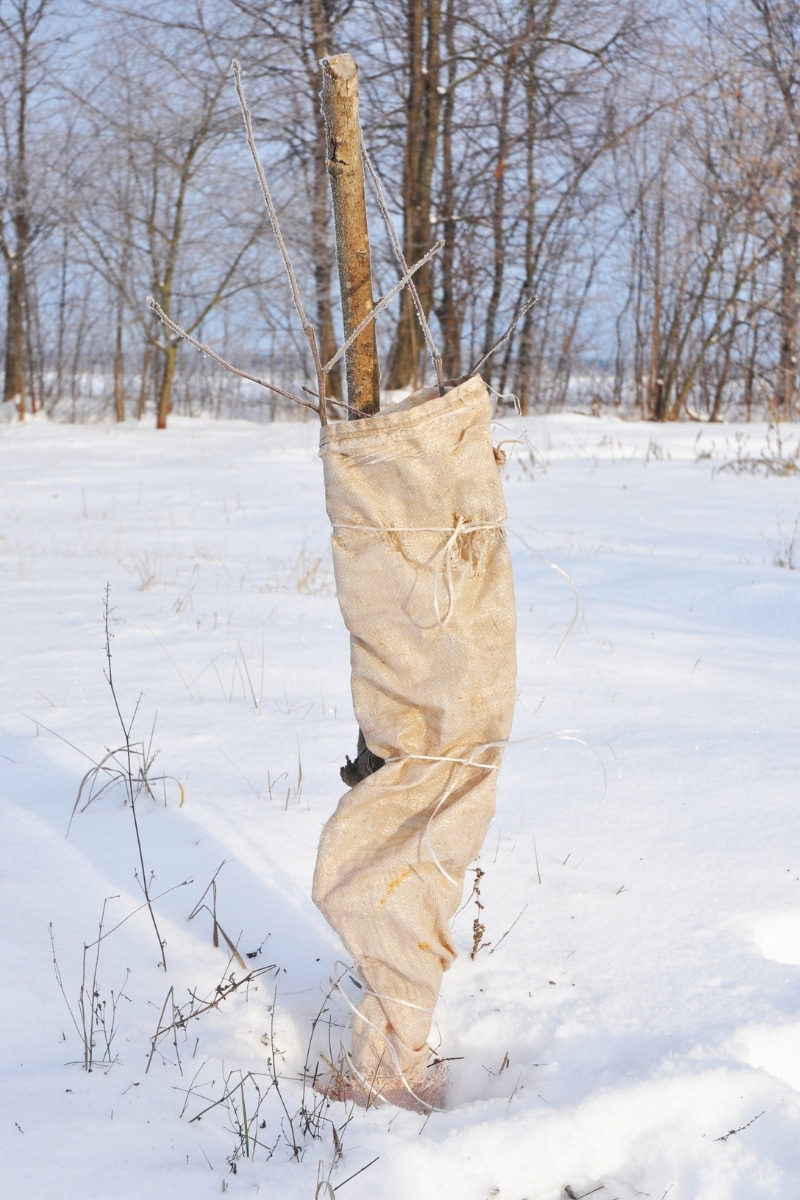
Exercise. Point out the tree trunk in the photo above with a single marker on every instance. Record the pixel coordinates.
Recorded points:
(498, 217)
(119, 379)
(656, 399)
(786, 385)
(524, 385)
(141, 403)
(165, 391)
(423, 107)
(448, 310)
(346, 174)
(15, 380)
(321, 47)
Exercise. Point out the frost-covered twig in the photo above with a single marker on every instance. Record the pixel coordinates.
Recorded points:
(308, 328)
(405, 279)
(527, 306)
(170, 324)
(398, 249)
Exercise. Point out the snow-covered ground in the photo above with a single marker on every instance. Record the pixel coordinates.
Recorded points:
(634, 1027)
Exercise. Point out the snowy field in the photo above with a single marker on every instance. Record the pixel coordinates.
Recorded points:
(633, 1029)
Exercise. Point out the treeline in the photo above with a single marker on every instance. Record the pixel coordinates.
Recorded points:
(636, 165)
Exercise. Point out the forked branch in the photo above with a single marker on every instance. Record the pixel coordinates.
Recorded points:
(406, 278)
(321, 370)
(401, 258)
(370, 317)
(526, 307)
(308, 328)
(170, 324)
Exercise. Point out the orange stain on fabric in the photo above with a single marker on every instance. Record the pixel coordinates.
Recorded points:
(395, 883)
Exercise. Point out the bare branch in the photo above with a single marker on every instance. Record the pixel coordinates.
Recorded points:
(390, 295)
(308, 328)
(527, 306)
(170, 324)
(423, 320)
(345, 168)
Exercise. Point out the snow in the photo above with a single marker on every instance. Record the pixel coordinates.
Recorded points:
(634, 1027)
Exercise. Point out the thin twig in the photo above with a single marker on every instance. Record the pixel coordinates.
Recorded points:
(212, 887)
(128, 777)
(60, 982)
(332, 400)
(170, 996)
(527, 306)
(731, 1132)
(198, 1005)
(308, 329)
(170, 324)
(274, 1073)
(507, 932)
(139, 908)
(349, 1177)
(390, 295)
(398, 249)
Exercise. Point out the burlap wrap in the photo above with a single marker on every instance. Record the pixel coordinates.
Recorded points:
(416, 505)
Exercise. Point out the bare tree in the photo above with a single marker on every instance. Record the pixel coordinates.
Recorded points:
(286, 48)
(27, 52)
(423, 104)
(774, 51)
(154, 214)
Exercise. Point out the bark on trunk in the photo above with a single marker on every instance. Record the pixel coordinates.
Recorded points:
(15, 380)
(786, 385)
(423, 109)
(448, 310)
(320, 48)
(165, 392)
(119, 380)
(346, 174)
(141, 403)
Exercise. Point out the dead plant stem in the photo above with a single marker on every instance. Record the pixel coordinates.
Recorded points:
(144, 882)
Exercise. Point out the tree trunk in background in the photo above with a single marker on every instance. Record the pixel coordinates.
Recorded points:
(119, 376)
(448, 311)
(775, 50)
(498, 217)
(786, 383)
(346, 172)
(19, 28)
(164, 399)
(147, 363)
(423, 108)
(524, 383)
(322, 47)
(15, 379)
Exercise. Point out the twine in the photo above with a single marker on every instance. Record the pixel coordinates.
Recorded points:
(560, 735)
(442, 562)
(565, 735)
(370, 1090)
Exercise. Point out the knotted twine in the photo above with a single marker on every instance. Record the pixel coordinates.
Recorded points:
(414, 498)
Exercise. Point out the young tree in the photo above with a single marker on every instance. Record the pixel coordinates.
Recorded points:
(286, 48)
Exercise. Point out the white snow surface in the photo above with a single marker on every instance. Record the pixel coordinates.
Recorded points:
(634, 1027)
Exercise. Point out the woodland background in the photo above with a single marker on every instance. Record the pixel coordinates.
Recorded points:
(635, 164)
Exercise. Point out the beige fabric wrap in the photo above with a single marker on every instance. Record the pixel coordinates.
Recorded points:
(397, 485)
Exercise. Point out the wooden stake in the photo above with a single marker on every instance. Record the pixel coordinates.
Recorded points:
(346, 175)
